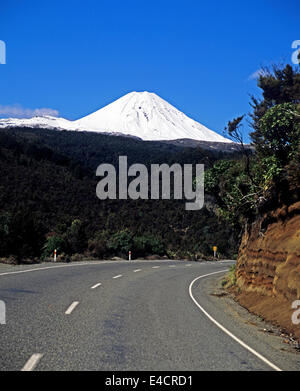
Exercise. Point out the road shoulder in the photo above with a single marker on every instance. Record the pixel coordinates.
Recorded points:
(260, 335)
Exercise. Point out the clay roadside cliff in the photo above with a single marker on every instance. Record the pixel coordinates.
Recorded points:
(268, 267)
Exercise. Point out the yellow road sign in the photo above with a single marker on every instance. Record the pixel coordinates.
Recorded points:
(215, 248)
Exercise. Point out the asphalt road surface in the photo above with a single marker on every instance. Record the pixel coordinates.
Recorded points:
(138, 315)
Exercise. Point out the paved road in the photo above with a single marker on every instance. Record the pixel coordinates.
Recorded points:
(124, 316)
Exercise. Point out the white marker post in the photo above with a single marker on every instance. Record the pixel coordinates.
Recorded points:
(215, 248)
(2, 312)
(129, 255)
(55, 255)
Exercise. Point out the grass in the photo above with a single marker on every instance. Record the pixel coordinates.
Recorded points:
(230, 279)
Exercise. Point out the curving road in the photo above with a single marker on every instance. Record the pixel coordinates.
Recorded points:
(138, 315)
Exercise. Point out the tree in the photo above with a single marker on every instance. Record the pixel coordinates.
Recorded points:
(279, 133)
(5, 231)
(76, 237)
(267, 176)
(234, 132)
(280, 84)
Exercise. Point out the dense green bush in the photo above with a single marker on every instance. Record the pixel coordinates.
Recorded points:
(120, 243)
(148, 245)
(124, 241)
(54, 242)
(75, 237)
(280, 133)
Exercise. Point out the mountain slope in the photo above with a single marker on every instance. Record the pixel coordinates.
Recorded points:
(140, 114)
(46, 121)
(146, 115)
(48, 181)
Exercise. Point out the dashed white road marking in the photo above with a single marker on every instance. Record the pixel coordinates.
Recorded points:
(265, 360)
(118, 276)
(189, 264)
(94, 263)
(137, 270)
(32, 362)
(155, 267)
(172, 266)
(96, 286)
(71, 308)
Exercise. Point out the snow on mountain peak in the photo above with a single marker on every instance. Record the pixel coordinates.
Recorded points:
(140, 114)
(146, 115)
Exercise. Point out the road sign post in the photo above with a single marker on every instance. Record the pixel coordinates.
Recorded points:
(55, 255)
(215, 248)
(129, 255)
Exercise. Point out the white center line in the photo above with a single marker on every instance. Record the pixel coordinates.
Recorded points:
(96, 286)
(118, 276)
(32, 362)
(137, 270)
(172, 266)
(71, 308)
(155, 267)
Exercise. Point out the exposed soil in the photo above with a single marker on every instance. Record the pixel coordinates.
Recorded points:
(268, 267)
(233, 304)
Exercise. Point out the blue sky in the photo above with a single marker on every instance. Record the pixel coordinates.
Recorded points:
(75, 56)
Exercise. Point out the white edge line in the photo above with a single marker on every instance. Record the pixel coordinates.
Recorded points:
(96, 286)
(266, 361)
(32, 362)
(71, 308)
(118, 276)
(51, 267)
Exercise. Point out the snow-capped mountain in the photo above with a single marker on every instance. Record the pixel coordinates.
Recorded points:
(146, 115)
(46, 121)
(139, 114)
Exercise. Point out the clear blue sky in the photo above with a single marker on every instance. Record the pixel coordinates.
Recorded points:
(77, 56)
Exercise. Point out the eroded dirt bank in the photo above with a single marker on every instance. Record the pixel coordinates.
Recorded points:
(268, 267)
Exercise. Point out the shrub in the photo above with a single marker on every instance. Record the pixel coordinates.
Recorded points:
(140, 245)
(121, 243)
(147, 245)
(54, 242)
(97, 247)
(77, 258)
(63, 258)
(76, 237)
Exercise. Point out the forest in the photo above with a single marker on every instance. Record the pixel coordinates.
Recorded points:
(48, 201)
